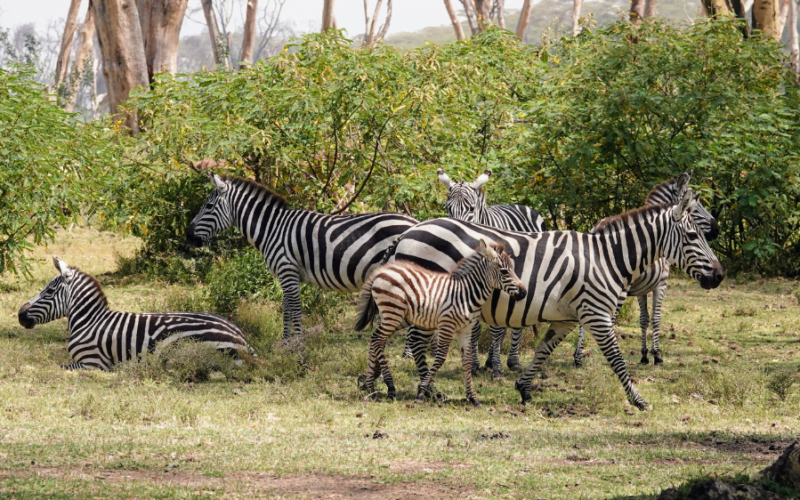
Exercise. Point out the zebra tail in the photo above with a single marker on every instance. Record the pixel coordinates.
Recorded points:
(368, 307)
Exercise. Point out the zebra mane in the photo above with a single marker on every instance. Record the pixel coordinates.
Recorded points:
(239, 182)
(615, 221)
(465, 266)
(666, 186)
(91, 279)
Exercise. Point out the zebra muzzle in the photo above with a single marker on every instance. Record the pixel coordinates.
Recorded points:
(521, 293)
(23, 317)
(192, 238)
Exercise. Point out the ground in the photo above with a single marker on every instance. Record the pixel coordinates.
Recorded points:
(91, 434)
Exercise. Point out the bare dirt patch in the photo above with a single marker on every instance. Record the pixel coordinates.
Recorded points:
(311, 486)
(756, 448)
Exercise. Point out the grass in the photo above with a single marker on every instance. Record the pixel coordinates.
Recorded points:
(299, 426)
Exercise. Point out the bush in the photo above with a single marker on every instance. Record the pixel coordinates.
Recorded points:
(780, 382)
(244, 275)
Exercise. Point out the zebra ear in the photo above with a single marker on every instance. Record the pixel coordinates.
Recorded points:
(444, 178)
(682, 184)
(62, 267)
(684, 205)
(482, 179)
(219, 183)
(485, 249)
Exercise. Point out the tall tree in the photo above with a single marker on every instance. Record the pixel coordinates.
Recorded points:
(372, 22)
(82, 56)
(794, 45)
(500, 7)
(161, 22)
(328, 17)
(62, 64)
(766, 17)
(454, 19)
(650, 8)
(213, 32)
(717, 8)
(576, 16)
(483, 13)
(637, 10)
(524, 19)
(783, 15)
(249, 33)
(124, 67)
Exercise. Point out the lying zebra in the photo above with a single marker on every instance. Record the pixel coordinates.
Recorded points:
(654, 279)
(449, 303)
(101, 338)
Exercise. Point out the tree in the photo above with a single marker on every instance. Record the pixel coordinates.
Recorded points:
(454, 19)
(650, 8)
(794, 46)
(62, 64)
(161, 22)
(372, 22)
(328, 18)
(576, 17)
(717, 8)
(217, 43)
(637, 10)
(119, 33)
(82, 56)
(524, 19)
(249, 33)
(766, 14)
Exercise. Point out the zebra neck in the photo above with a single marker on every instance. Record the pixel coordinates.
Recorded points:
(633, 245)
(254, 209)
(86, 302)
(471, 276)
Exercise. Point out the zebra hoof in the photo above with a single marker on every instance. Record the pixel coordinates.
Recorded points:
(524, 392)
(514, 365)
(474, 401)
(578, 361)
(361, 381)
(658, 360)
(488, 365)
(643, 405)
(644, 360)
(497, 375)
(391, 394)
(474, 370)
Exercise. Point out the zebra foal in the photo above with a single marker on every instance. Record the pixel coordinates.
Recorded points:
(333, 252)
(448, 303)
(101, 338)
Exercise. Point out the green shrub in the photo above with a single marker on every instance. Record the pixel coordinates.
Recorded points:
(243, 275)
(780, 382)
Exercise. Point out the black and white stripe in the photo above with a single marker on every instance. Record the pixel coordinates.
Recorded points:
(447, 303)
(101, 338)
(571, 278)
(467, 201)
(655, 278)
(333, 252)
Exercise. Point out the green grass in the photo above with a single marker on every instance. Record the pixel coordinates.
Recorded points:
(301, 428)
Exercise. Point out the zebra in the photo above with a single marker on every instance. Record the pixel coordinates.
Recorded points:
(448, 303)
(654, 279)
(572, 278)
(467, 201)
(101, 338)
(334, 252)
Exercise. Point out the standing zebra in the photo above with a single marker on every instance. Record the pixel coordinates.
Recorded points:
(334, 252)
(572, 278)
(448, 303)
(101, 338)
(654, 279)
(467, 201)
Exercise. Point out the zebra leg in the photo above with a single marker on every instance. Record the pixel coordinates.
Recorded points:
(476, 334)
(554, 336)
(418, 341)
(498, 334)
(577, 356)
(445, 337)
(603, 332)
(464, 342)
(74, 366)
(292, 309)
(513, 353)
(407, 351)
(644, 322)
(658, 299)
(377, 344)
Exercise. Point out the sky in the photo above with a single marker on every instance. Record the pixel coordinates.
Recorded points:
(407, 15)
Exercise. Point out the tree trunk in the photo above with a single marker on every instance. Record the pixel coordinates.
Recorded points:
(213, 31)
(469, 11)
(650, 8)
(794, 46)
(524, 19)
(369, 34)
(249, 33)
(385, 26)
(637, 10)
(717, 8)
(501, 13)
(482, 14)
(328, 19)
(161, 28)
(124, 67)
(740, 9)
(82, 56)
(765, 18)
(66, 42)
(576, 16)
(454, 19)
(784, 13)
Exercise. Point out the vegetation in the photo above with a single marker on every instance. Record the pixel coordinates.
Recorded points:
(299, 417)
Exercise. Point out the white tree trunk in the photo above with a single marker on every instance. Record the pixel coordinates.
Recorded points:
(524, 19)
(213, 31)
(794, 46)
(784, 14)
(82, 56)
(576, 16)
(120, 35)
(766, 15)
(650, 8)
(501, 13)
(637, 10)
(328, 18)
(161, 28)
(62, 64)
(249, 33)
(385, 26)
(454, 19)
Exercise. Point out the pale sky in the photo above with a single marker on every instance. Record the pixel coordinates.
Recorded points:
(407, 15)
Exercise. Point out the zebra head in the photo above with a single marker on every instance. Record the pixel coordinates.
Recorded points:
(501, 273)
(672, 191)
(215, 215)
(687, 247)
(465, 201)
(52, 302)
